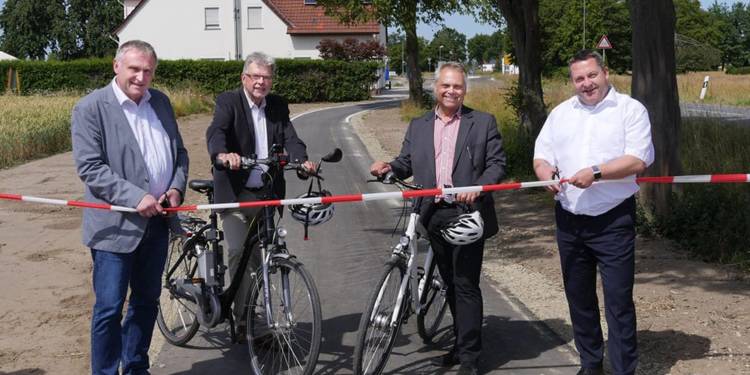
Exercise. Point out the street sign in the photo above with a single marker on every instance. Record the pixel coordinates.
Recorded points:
(604, 43)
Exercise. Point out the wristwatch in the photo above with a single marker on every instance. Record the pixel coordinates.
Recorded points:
(597, 172)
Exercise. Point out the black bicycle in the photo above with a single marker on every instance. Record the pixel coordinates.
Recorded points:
(283, 307)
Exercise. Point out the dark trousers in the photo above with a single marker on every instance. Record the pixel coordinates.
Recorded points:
(460, 268)
(114, 340)
(606, 241)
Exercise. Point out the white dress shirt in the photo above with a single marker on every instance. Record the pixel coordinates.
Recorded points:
(261, 141)
(577, 136)
(152, 139)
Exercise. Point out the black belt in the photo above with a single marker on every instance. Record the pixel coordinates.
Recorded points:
(257, 189)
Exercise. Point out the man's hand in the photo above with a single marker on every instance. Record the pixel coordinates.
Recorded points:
(173, 198)
(583, 178)
(379, 168)
(467, 198)
(545, 172)
(149, 206)
(232, 159)
(310, 167)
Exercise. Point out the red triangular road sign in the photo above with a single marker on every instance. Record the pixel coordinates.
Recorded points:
(604, 43)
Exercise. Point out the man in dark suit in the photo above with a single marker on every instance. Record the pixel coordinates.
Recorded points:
(249, 121)
(454, 145)
(128, 152)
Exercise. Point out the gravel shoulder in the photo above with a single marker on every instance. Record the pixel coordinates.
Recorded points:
(693, 317)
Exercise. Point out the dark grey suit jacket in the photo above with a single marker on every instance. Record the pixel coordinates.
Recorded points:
(111, 166)
(479, 158)
(232, 131)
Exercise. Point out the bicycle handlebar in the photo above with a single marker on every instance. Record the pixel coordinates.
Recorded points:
(390, 178)
(280, 160)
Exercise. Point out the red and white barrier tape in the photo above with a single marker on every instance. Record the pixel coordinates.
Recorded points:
(711, 179)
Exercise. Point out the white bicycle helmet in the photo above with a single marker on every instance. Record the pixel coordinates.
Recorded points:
(465, 229)
(312, 213)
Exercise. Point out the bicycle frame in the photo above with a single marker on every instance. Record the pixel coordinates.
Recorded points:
(407, 249)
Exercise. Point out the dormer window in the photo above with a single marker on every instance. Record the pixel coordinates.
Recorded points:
(310, 2)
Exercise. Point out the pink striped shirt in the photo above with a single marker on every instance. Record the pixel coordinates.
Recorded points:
(445, 135)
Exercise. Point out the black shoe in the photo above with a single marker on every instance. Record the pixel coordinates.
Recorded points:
(468, 368)
(591, 371)
(446, 360)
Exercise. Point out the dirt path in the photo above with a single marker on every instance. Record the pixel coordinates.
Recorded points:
(693, 317)
(45, 272)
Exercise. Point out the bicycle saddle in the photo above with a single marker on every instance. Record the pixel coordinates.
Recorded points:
(202, 186)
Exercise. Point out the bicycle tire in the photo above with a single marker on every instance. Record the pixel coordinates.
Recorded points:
(375, 336)
(176, 317)
(434, 304)
(288, 348)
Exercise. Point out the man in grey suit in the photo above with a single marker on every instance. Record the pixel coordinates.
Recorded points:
(454, 145)
(128, 152)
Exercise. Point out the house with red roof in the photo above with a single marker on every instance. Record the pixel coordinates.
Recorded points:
(232, 29)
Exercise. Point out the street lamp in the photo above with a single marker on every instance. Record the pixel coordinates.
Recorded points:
(451, 53)
(584, 24)
(440, 53)
(429, 64)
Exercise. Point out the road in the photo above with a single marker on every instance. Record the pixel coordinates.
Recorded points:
(345, 257)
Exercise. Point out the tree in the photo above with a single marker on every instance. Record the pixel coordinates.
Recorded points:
(28, 27)
(485, 48)
(562, 31)
(655, 85)
(351, 49)
(522, 19)
(401, 13)
(453, 44)
(64, 28)
(84, 31)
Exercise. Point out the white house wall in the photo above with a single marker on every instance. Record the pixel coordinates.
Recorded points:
(178, 32)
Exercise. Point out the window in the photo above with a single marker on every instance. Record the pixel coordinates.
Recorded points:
(310, 2)
(254, 18)
(212, 18)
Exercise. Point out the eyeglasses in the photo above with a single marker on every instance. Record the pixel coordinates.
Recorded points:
(257, 77)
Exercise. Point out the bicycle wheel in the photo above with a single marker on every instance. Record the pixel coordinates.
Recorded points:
(176, 319)
(376, 335)
(292, 343)
(433, 302)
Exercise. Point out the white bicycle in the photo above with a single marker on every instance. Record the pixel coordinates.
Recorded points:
(402, 290)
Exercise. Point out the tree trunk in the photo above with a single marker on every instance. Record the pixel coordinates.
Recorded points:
(655, 85)
(412, 53)
(522, 17)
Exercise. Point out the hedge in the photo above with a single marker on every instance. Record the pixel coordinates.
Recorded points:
(738, 70)
(297, 80)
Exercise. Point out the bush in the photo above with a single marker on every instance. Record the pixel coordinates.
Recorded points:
(738, 70)
(297, 80)
(712, 221)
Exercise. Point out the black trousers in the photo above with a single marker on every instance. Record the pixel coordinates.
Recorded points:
(606, 241)
(460, 268)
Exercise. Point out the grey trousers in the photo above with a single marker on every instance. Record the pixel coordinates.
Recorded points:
(237, 224)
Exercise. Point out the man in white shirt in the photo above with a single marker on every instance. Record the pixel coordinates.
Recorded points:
(598, 134)
(249, 121)
(128, 152)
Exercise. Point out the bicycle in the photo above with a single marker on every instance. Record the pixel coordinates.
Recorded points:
(403, 289)
(283, 310)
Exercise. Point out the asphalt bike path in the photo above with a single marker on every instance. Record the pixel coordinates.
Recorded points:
(345, 256)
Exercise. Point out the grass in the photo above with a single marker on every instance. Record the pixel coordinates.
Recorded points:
(33, 127)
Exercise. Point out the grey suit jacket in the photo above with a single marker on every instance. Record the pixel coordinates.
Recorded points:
(479, 158)
(110, 164)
